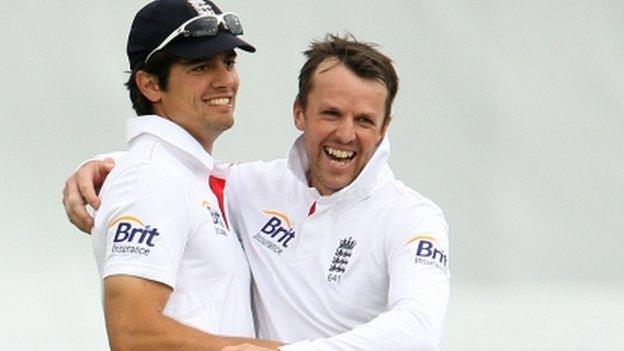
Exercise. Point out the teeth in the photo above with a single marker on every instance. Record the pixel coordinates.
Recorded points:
(339, 153)
(219, 102)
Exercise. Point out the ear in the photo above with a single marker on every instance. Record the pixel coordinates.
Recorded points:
(384, 128)
(148, 85)
(298, 115)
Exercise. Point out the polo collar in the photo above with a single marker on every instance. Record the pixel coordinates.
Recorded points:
(373, 174)
(143, 127)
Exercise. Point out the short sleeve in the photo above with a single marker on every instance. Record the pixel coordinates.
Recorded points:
(143, 224)
(418, 250)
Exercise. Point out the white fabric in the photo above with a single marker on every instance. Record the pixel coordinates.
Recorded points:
(160, 221)
(379, 295)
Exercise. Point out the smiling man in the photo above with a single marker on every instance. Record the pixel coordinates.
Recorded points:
(173, 274)
(343, 255)
(343, 121)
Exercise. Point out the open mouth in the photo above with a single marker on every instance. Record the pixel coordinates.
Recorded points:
(224, 101)
(337, 155)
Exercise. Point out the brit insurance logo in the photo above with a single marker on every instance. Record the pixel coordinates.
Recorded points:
(217, 219)
(428, 251)
(276, 232)
(132, 236)
(339, 263)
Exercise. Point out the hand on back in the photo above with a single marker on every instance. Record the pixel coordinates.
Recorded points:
(81, 189)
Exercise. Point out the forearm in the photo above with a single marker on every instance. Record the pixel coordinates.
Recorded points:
(162, 333)
(133, 308)
(412, 325)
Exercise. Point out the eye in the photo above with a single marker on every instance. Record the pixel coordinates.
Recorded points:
(230, 63)
(330, 113)
(203, 67)
(365, 121)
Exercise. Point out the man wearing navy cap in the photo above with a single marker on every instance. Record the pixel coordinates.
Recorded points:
(174, 274)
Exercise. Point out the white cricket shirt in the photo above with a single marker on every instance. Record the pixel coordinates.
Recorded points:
(159, 220)
(363, 269)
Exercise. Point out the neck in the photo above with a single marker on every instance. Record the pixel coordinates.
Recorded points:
(324, 191)
(204, 137)
(205, 141)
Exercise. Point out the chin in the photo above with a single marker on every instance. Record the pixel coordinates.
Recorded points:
(227, 124)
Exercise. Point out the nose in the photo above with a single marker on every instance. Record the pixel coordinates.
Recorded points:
(224, 77)
(345, 130)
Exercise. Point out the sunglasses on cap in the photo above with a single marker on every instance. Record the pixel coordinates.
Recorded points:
(203, 26)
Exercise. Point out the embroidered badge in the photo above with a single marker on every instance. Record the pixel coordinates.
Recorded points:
(341, 259)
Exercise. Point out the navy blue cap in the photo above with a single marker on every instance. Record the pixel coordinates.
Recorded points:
(156, 20)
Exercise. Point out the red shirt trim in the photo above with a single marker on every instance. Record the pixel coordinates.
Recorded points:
(218, 185)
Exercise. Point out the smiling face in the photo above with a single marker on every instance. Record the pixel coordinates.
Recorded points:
(200, 97)
(343, 123)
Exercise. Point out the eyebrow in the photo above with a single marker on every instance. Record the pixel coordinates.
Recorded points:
(230, 54)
